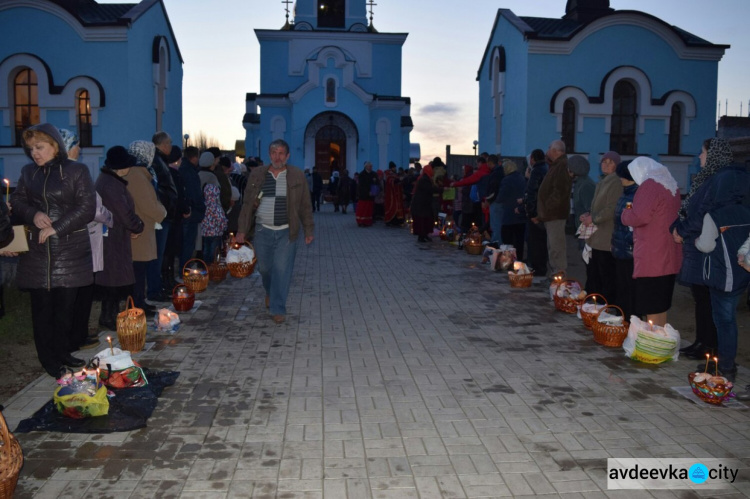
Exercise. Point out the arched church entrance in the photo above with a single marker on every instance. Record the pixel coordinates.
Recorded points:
(330, 150)
(331, 140)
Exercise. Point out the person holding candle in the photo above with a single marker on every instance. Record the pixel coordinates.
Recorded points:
(656, 256)
(55, 198)
(277, 204)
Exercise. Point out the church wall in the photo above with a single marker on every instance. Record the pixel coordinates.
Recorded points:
(386, 71)
(274, 76)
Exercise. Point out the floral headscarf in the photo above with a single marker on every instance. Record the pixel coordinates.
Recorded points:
(718, 156)
(643, 168)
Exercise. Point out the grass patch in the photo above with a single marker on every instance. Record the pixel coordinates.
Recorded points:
(15, 326)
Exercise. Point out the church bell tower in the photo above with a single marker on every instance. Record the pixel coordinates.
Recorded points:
(336, 15)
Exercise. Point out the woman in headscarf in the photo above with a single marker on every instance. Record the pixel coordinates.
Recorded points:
(656, 256)
(715, 154)
(421, 205)
(55, 198)
(367, 189)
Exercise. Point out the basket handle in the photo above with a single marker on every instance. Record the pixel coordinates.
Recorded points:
(184, 267)
(595, 295)
(129, 303)
(4, 438)
(611, 305)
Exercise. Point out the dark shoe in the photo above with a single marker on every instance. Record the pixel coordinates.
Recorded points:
(148, 309)
(744, 396)
(70, 361)
(161, 298)
(55, 371)
(730, 374)
(91, 341)
(696, 345)
(699, 353)
(278, 319)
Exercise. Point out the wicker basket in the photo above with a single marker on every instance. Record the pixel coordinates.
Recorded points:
(195, 279)
(567, 304)
(131, 327)
(11, 460)
(473, 248)
(182, 298)
(521, 280)
(710, 394)
(589, 317)
(217, 271)
(241, 270)
(607, 334)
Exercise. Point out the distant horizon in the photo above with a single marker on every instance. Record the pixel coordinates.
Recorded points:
(440, 61)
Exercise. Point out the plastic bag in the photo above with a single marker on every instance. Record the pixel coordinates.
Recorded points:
(166, 320)
(119, 370)
(81, 400)
(651, 344)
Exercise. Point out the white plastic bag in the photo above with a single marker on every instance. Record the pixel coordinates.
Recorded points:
(651, 344)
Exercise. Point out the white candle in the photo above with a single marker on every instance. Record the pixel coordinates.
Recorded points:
(109, 340)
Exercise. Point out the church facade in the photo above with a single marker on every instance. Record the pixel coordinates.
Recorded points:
(110, 72)
(600, 79)
(330, 85)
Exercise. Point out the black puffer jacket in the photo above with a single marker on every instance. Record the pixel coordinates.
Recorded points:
(64, 191)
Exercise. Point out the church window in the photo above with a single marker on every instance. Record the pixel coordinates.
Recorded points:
(26, 102)
(622, 134)
(569, 125)
(83, 118)
(675, 130)
(330, 91)
(161, 86)
(331, 13)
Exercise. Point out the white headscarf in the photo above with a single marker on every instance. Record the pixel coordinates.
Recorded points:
(643, 168)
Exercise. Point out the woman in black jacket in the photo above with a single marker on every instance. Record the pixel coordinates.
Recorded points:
(55, 198)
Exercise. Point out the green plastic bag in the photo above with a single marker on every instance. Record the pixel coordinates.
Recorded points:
(76, 404)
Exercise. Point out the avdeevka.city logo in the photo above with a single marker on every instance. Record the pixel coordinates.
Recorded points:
(674, 473)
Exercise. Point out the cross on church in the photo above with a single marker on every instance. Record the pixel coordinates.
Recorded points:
(286, 7)
(371, 4)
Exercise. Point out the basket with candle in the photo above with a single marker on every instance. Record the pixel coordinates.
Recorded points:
(712, 389)
(217, 269)
(182, 298)
(650, 343)
(81, 394)
(131, 327)
(555, 280)
(11, 460)
(521, 276)
(195, 277)
(569, 295)
(590, 307)
(241, 259)
(473, 241)
(609, 328)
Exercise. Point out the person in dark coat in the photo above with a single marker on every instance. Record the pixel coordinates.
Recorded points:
(537, 254)
(365, 195)
(175, 217)
(317, 189)
(344, 190)
(55, 198)
(512, 187)
(421, 205)
(194, 199)
(115, 282)
(622, 243)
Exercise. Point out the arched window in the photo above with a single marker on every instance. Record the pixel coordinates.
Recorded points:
(675, 130)
(26, 102)
(83, 118)
(161, 87)
(331, 14)
(624, 105)
(569, 125)
(330, 91)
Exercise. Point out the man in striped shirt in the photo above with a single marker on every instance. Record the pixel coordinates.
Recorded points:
(276, 203)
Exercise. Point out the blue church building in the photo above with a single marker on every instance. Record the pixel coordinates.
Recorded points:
(330, 85)
(600, 79)
(110, 72)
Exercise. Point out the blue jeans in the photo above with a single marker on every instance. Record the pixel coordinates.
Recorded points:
(275, 263)
(189, 234)
(210, 245)
(496, 222)
(153, 271)
(724, 309)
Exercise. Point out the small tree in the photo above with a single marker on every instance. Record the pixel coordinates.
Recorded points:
(202, 141)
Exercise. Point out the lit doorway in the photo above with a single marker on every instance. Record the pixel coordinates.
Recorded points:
(330, 150)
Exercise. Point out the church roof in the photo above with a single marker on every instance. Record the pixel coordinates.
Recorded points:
(557, 29)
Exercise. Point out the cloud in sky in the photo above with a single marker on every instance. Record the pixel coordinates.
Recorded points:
(439, 108)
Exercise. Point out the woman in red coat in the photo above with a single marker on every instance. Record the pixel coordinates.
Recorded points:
(656, 256)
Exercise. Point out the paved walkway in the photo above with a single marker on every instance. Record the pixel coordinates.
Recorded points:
(403, 370)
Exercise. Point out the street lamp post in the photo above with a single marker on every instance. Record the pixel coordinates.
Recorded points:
(476, 143)
(186, 137)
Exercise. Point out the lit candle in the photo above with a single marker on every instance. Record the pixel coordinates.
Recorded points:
(716, 365)
(7, 189)
(109, 340)
(650, 325)
(707, 357)
(594, 301)
(97, 377)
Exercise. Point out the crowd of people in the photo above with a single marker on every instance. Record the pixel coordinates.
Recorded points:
(637, 234)
(152, 205)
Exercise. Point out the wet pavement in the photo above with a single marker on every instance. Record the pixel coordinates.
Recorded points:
(403, 370)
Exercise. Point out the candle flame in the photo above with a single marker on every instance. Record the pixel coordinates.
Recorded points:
(7, 182)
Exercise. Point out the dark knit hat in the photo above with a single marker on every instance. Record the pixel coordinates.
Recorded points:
(225, 162)
(578, 165)
(174, 155)
(622, 170)
(613, 156)
(119, 158)
(215, 151)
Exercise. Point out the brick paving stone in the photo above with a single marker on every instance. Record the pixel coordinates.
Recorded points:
(388, 379)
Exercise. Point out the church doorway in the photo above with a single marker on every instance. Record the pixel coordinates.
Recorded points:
(330, 150)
